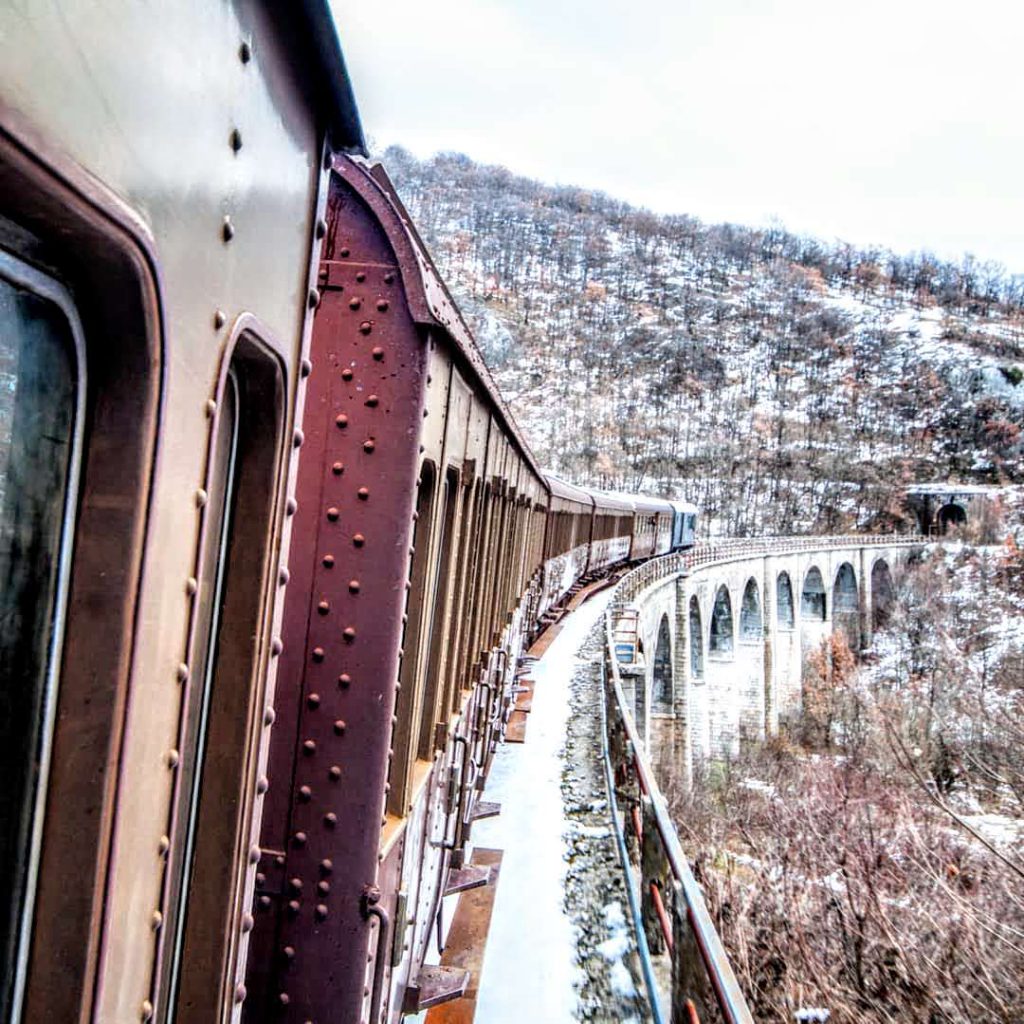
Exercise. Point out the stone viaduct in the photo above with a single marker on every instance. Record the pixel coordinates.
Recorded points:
(715, 638)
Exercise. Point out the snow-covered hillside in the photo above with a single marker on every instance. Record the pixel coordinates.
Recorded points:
(782, 383)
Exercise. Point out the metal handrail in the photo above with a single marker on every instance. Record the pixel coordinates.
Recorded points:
(616, 713)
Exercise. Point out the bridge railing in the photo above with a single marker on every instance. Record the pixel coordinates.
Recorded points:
(666, 902)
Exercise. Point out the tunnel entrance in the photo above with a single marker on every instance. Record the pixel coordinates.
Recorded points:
(950, 517)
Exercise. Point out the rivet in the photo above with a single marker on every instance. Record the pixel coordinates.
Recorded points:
(227, 230)
(261, 879)
(323, 888)
(268, 716)
(264, 902)
(349, 634)
(156, 920)
(353, 586)
(173, 757)
(276, 646)
(354, 303)
(313, 700)
(347, 374)
(219, 319)
(300, 838)
(382, 305)
(245, 53)
(330, 819)
(378, 353)
(340, 727)
(297, 438)
(211, 407)
(279, 860)
(341, 422)
(321, 911)
(289, 952)
(326, 866)
(313, 298)
(365, 327)
(333, 513)
(305, 794)
(240, 993)
(305, 368)
(389, 278)
(291, 507)
(363, 492)
(262, 785)
(201, 498)
(321, 228)
(361, 276)
(323, 607)
(359, 540)
(296, 884)
(309, 747)
(344, 680)
(191, 586)
(164, 845)
(182, 673)
(235, 139)
(318, 654)
(368, 447)
(247, 922)
(284, 999)
(146, 1013)
(335, 772)
(254, 854)
(328, 561)
(338, 468)
(294, 906)
(373, 401)
(284, 575)
(344, 253)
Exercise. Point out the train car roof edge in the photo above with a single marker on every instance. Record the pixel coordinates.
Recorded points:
(331, 76)
(430, 302)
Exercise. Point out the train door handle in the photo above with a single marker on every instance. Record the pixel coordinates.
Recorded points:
(372, 908)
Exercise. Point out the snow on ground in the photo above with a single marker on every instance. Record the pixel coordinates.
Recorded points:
(530, 968)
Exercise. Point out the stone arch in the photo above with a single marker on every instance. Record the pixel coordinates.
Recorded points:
(751, 620)
(950, 517)
(784, 611)
(883, 592)
(696, 641)
(721, 623)
(812, 597)
(846, 604)
(662, 674)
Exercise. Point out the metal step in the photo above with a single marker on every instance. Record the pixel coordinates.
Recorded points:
(461, 879)
(433, 986)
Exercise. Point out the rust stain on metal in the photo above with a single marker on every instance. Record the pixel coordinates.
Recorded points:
(467, 940)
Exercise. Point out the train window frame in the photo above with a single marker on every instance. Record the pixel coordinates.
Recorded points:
(25, 277)
(246, 545)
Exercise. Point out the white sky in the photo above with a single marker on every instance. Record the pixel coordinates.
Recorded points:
(895, 122)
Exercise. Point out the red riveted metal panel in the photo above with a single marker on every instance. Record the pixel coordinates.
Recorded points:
(342, 629)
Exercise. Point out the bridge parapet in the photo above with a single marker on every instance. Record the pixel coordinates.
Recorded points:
(722, 631)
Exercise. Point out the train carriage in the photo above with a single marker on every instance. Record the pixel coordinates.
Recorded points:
(270, 540)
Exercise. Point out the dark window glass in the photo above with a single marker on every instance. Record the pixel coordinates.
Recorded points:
(40, 401)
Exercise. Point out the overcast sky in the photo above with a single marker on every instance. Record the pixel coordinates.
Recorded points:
(895, 122)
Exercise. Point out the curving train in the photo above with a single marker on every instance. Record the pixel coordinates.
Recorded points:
(271, 543)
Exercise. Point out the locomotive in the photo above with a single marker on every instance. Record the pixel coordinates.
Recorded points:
(271, 542)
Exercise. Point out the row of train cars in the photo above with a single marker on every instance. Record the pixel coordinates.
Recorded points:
(271, 543)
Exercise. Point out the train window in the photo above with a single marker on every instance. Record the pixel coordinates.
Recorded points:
(223, 696)
(42, 384)
(412, 642)
(438, 638)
